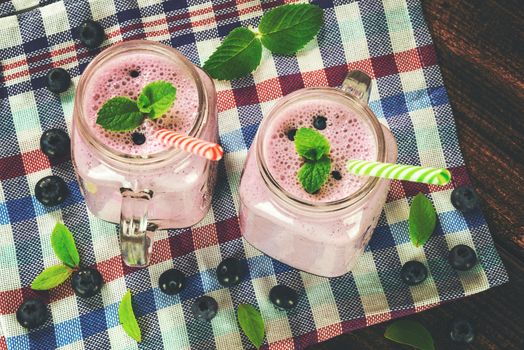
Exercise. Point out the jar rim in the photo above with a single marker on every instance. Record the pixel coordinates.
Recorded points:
(154, 159)
(273, 185)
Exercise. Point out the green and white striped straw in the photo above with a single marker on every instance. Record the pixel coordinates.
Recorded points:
(413, 173)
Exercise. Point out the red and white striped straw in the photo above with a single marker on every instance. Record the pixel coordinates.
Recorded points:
(206, 149)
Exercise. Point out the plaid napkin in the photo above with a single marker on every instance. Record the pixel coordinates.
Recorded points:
(388, 39)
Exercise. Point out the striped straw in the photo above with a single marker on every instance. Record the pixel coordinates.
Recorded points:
(427, 175)
(209, 150)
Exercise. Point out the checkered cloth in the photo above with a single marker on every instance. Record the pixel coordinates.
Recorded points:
(387, 39)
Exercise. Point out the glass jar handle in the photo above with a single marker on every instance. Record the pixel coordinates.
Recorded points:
(358, 84)
(136, 233)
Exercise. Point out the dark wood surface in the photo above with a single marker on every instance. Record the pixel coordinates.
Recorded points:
(480, 46)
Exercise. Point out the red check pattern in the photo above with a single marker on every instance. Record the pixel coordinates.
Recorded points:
(385, 38)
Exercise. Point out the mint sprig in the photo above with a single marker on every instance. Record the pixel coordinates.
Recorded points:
(156, 99)
(283, 30)
(313, 174)
(422, 220)
(65, 250)
(124, 114)
(252, 324)
(127, 317)
(314, 148)
(311, 144)
(410, 333)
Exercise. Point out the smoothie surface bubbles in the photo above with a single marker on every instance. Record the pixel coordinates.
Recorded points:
(126, 75)
(350, 138)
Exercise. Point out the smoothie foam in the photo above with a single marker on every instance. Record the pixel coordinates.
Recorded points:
(350, 138)
(126, 75)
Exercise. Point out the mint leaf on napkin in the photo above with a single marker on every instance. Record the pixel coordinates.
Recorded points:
(51, 277)
(288, 28)
(410, 333)
(312, 175)
(252, 324)
(127, 318)
(422, 220)
(283, 30)
(239, 54)
(64, 246)
(311, 144)
(119, 114)
(156, 99)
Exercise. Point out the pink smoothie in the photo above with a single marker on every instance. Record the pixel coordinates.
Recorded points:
(350, 138)
(181, 183)
(325, 242)
(126, 76)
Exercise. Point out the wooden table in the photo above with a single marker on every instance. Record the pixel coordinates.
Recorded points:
(480, 46)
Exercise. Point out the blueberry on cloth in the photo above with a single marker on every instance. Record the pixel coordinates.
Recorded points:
(283, 297)
(58, 80)
(172, 281)
(464, 199)
(87, 282)
(55, 143)
(32, 314)
(204, 308)
(462, 257)
(51, 190)
(230, 272)
(413, 273)
(91, 34)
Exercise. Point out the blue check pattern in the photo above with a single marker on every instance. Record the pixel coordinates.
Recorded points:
(388, 39)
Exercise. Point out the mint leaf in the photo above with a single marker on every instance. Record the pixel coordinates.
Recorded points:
(156, 98)
(51, 277)
(288, 28)
(251, 323)
(239, 55)
(119, 114)
(422, 220)
(410, 333)
(127, 318)
(312, 175)
(311, 144)
(63, 244)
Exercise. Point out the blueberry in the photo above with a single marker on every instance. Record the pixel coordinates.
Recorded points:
(462, 331)
(413, 273)
(86, 282)
(134, 73)
(283, 297)
(465, 199)
(204, 308)
(55, 143)
(336, 175)
(172, 281)
(320, 122)
(58, 80)
(91, 34)
(230, 272)
(462, 257)
(51, 190)
(138, 138)
(291, 134)
(32, 314)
